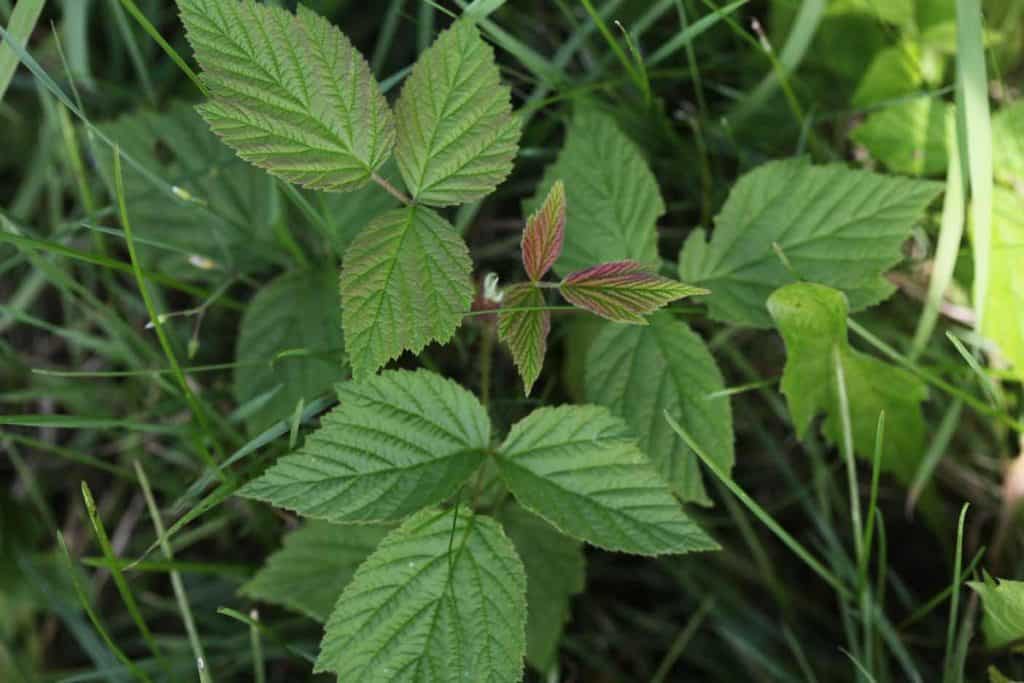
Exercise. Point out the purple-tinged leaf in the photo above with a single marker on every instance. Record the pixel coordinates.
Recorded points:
(525, 332)
(544, 234)
(623, 291)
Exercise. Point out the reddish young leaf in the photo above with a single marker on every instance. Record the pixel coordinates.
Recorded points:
(525, 332)
(544, 234)
(623, 291)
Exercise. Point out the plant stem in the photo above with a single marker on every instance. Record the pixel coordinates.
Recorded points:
(392, 190)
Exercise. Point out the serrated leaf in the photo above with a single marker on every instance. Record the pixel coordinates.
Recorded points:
(909, 137)
(313, 566)
(641, 372)
(555, 571)
(457, 136)
(894, 72)
(1003, 603)
(1008, 154)
(579, 468)
(437, 602)
(235, 205)
(623, 291)
(612, 198)
(294, 311)
(544, 234)
(1003, 319)
(289, 92)
(812, 320)
(836, 226)
(525, 332)
(405, 282)
(396, 443)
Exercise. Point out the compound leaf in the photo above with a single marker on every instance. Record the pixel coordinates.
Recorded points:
(544, 234)
(623, 291)
(812, 320)
(396, 443)
(579, 468)
(641, 372)
(612, 198)
(789, 220)
(313, 566)
(555, 571)
(1003, 603)
(457, 136)
(525, 332)
(289, 92)
(405, 282)
(436, 602)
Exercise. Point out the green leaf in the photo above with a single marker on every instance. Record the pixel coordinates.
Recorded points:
(396, 443)
(289, 92)
(457, 136)
(995, 676)
(612, 198)
(314, 565)
(909, 137)
(833, 225)
(294, 311)
(555, 571)
(622, 291)
(232, 207)
(405, 282)
(812, 319)
(1003, 319)
(525, 332)
(894, 72)
(1008, 154)
(641, 372)
(899, 12)
(579, 468)
(1003, 603)
(437, 602)
(544, 234)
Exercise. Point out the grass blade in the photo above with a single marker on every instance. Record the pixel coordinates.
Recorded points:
(23, 21)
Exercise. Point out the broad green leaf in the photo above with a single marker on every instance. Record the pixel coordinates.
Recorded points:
(396, 443)
(1003, 603)
(894, 72)
(544, 234)
(525, 332)
(1008, 152)
(437, 602)
(612, 198)
(457, 136)
(221, 211)
(909, 137)
(555, 571)
(313, 566)
(812, 320)
(405, 282)
(1003, 320)
(623, 291)
(289, 92)
(294, 311)
(840, 227)
(579, 468)
(641, 372)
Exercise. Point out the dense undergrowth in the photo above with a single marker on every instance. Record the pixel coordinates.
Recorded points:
(702, 327)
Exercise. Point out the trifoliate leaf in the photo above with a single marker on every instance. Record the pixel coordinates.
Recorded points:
(1008, 153)
(641, 372)
(555, 571)
(294, 311)
(218, 208)
(812, 319)
(525, 332)
(579, 468)
(1003, 603)
(396, 443)
(289, 92)
(544, 234)
(894, 72)
(457, 136)
(314, 565)
(790, 220)
(612, 198)
(622, 291)
(909, 137)
(437, 602)
(405, 282)
(1003, 319)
